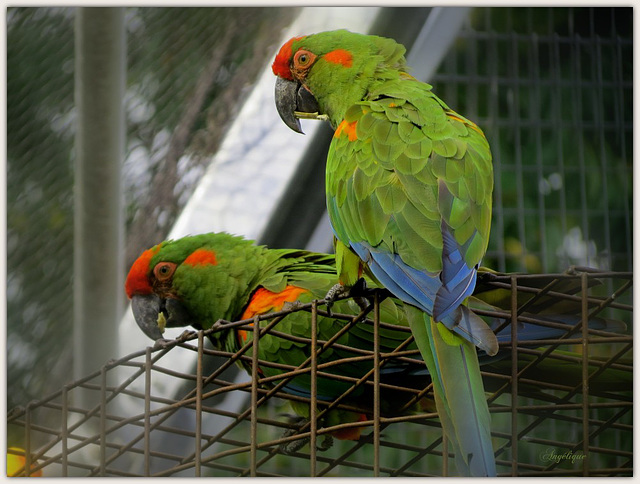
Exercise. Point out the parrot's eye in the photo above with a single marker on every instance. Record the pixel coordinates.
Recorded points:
(164, 270)
(303, 58)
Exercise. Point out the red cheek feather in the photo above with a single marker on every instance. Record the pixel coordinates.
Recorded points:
(339, 56)
(280, 65)
(137, 281)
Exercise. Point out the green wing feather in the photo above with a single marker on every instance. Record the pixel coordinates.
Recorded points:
(383, 176)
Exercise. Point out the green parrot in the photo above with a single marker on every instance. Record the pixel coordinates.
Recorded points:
(201, 279)
(198, 280)
(409, 185)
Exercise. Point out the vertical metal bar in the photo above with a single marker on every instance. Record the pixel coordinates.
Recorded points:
(376, 385)
(558, 133)
(313, 407)
(103, 420)
(621, 131)
(198, 431)
(536, 119)
(494, 101)
(579, 130)
(514, 376)
(100, 71)
(64, 430)
(27, 441)
(585, 375)
(147, 412)
(254, 396)
(600, 121)
(514, 114)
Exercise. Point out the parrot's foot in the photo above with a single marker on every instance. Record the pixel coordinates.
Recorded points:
(294, 446)
(291, 305)
(358, 292)
(332, 295)
(161, 343)
(327, 443)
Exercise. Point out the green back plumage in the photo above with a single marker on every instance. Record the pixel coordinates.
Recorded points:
(402, 165)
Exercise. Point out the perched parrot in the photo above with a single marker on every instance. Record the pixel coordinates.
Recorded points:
(409, 185)
(198, 280)
(201, 279)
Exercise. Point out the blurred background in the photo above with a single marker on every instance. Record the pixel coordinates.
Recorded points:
(203, 148)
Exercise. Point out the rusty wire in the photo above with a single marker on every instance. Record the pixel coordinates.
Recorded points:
(593, 425)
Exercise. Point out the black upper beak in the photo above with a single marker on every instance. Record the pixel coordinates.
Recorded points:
(291, 96)
(149, 309)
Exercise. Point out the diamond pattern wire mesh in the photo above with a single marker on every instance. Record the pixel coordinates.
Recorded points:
(540, 417)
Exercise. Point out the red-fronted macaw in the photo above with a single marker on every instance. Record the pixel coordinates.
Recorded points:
(409, 185)
(198, 280)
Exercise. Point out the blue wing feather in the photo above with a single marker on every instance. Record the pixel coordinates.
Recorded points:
(458, 280)
(420, 289)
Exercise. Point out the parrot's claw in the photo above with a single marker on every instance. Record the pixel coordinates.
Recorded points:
(332, 295)
(291, 305)
(293, 446)
(161, 343)
(290, 448)
(327, 443)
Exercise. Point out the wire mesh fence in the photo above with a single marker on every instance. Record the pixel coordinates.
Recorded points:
(188, 71)
(552, 89)
(560, 407)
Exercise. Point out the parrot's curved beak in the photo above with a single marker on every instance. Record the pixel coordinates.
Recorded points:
(153, 314)
(291, 98)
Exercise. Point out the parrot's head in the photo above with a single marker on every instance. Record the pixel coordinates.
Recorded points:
(192, 281)
(325, 73)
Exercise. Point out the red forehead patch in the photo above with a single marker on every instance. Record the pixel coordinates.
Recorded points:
(137, 281)
(201, 257)
(280, 65)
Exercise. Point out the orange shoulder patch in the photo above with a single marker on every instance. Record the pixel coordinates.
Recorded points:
(347, 128)
(265, 301)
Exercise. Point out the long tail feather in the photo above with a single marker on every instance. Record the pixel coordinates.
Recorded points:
(459, 395)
